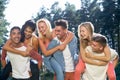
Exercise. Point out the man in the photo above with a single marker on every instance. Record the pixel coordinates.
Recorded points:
(20, 64)
(68, 57)
(28, 38)
(95, 72)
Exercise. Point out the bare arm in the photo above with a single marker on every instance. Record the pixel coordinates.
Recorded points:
(8, 48)
(35, 43)
(105, 58)
(69, 37)
(44, 49)
(88, 60)
(66, 41)
(115, 61)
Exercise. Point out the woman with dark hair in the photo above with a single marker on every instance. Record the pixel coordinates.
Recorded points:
(31, 24)
(29, 38)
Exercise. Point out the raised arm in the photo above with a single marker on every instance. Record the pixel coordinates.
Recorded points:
(69, 37)
(105, 58)
(67, 40)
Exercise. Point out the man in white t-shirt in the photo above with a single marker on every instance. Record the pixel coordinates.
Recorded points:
(69, 53)
(20, 64)
(94, 72)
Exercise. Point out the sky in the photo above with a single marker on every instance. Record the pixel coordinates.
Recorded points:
(18, 11)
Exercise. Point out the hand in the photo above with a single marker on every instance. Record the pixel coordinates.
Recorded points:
(24, 53)
(61, 47)
(30, 73)
(8, 43)
(10, 74)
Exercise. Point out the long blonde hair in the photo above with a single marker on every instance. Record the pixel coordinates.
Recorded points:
(90, 28)
(49, 28)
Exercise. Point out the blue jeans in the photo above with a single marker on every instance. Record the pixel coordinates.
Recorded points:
(34, 70)
(6, 71)
(57, 69)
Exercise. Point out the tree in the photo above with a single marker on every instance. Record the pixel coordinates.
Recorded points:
(3, 23)
(111, 21)
(104, 14)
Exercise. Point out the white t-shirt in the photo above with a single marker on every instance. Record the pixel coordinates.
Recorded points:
(114, 54)
(69, 66)
(20, 65)
(93, 72)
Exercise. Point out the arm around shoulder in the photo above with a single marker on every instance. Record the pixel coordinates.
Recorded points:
(7, 47)
(44, 48)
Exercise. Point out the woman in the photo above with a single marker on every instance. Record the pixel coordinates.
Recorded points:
(85, 32)
(29, 38)
(46, 34)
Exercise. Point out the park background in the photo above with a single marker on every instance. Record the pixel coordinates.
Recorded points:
(104, 14)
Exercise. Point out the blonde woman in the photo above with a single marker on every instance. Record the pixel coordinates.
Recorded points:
(46, 34)
(85, 32)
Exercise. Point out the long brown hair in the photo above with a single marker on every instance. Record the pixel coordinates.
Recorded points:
(90, 28)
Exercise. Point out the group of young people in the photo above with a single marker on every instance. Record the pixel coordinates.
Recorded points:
(93, 60)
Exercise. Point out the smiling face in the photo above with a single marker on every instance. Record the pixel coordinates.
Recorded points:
(60, 32)
(84, 34)
(15, 36)
(96, 46)
(42, 28)
(28, 32)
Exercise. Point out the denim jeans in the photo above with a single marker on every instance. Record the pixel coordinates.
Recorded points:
(57, 69)
(34, 70)
(6, 71)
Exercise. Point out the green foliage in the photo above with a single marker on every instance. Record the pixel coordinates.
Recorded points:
(2, 7)
(117, 70)
(47, 76)
(3, 23)
(104, 14)
(111, 22)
